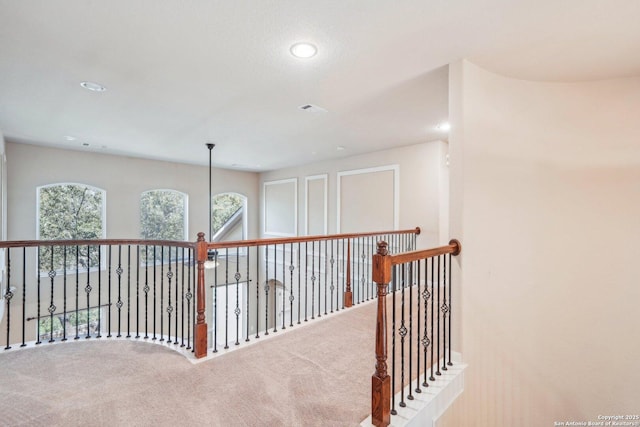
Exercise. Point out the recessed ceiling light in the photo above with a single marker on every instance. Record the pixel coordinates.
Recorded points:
(92, 86)
(303, 50)
(444, 127)
(70, 138)
(339, 148)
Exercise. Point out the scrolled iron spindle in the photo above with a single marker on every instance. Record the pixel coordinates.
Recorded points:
(291, 297)
(433, 297)
(24, 295)
(450, 306)
(437, 361)
(247, 298)
(237, 312)
(119, 301)
(64, 294)
(169, 308)
(445, 310)
(8, 295)
(266, 291)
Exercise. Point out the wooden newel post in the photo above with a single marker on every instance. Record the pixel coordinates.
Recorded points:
(348, 295)
(200, 328)
(380, 381)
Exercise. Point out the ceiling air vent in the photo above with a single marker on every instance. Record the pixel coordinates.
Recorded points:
(312, 108)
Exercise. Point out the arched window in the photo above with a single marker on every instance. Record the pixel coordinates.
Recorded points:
(71, 212)
(163, 215)
(229, 217)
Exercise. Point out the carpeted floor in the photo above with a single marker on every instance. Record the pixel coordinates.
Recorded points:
(319, 375)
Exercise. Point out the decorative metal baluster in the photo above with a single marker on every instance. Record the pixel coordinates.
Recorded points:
(326, 259)
(77, 291)
(306, 282)
(356, 271)
(52, 307)
(129, 291)
(403, 333)
(189, 296)
(146, 292)
(437, 361)
(319, 278)
(226, 298)
(445, 311)
(291, 297)
(247, 298)
(38, 294)
(169, 306)
(138, 291)
(433, 297)
(162, 293)
(418, 304)
(363, 278)
(177, 310)
(8, 295)
(299, 283)
(237, 276)
(313, 278)
(64, 292)
(450, 304)
(24, 295)
(332, 261)
(88, 291)
(394, 280)
(99, 334)
(109, 294)
(344, 271)
(284, 281)
(155, 298)
(119, 301)
(182, 313)
(257, 291)
(275, 288)
(266, 291)
(410, 280)
(215, 303)
(425, 337)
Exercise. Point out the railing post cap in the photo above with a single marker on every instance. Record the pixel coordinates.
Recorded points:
(418, 231)
(200, 237)
(382, 248)
(456, 243)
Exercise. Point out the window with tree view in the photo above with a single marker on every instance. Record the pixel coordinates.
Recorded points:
(163, 216)
(70, 212)
(228, 217)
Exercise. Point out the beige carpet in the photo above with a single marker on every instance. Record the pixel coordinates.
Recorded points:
(319, 375)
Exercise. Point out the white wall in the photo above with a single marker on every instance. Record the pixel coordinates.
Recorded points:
(545, 198)
(421, 168)
(124, 179)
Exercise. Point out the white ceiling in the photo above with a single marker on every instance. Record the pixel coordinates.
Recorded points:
(181, 73)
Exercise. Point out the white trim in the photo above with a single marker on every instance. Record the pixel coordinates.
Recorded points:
(324, 177)
(396, 191)
(295, 207)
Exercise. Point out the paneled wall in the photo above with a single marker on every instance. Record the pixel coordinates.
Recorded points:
(391, 189)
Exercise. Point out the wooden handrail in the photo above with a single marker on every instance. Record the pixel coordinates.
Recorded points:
(94, 242)
(452, 248)
(302, 239)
